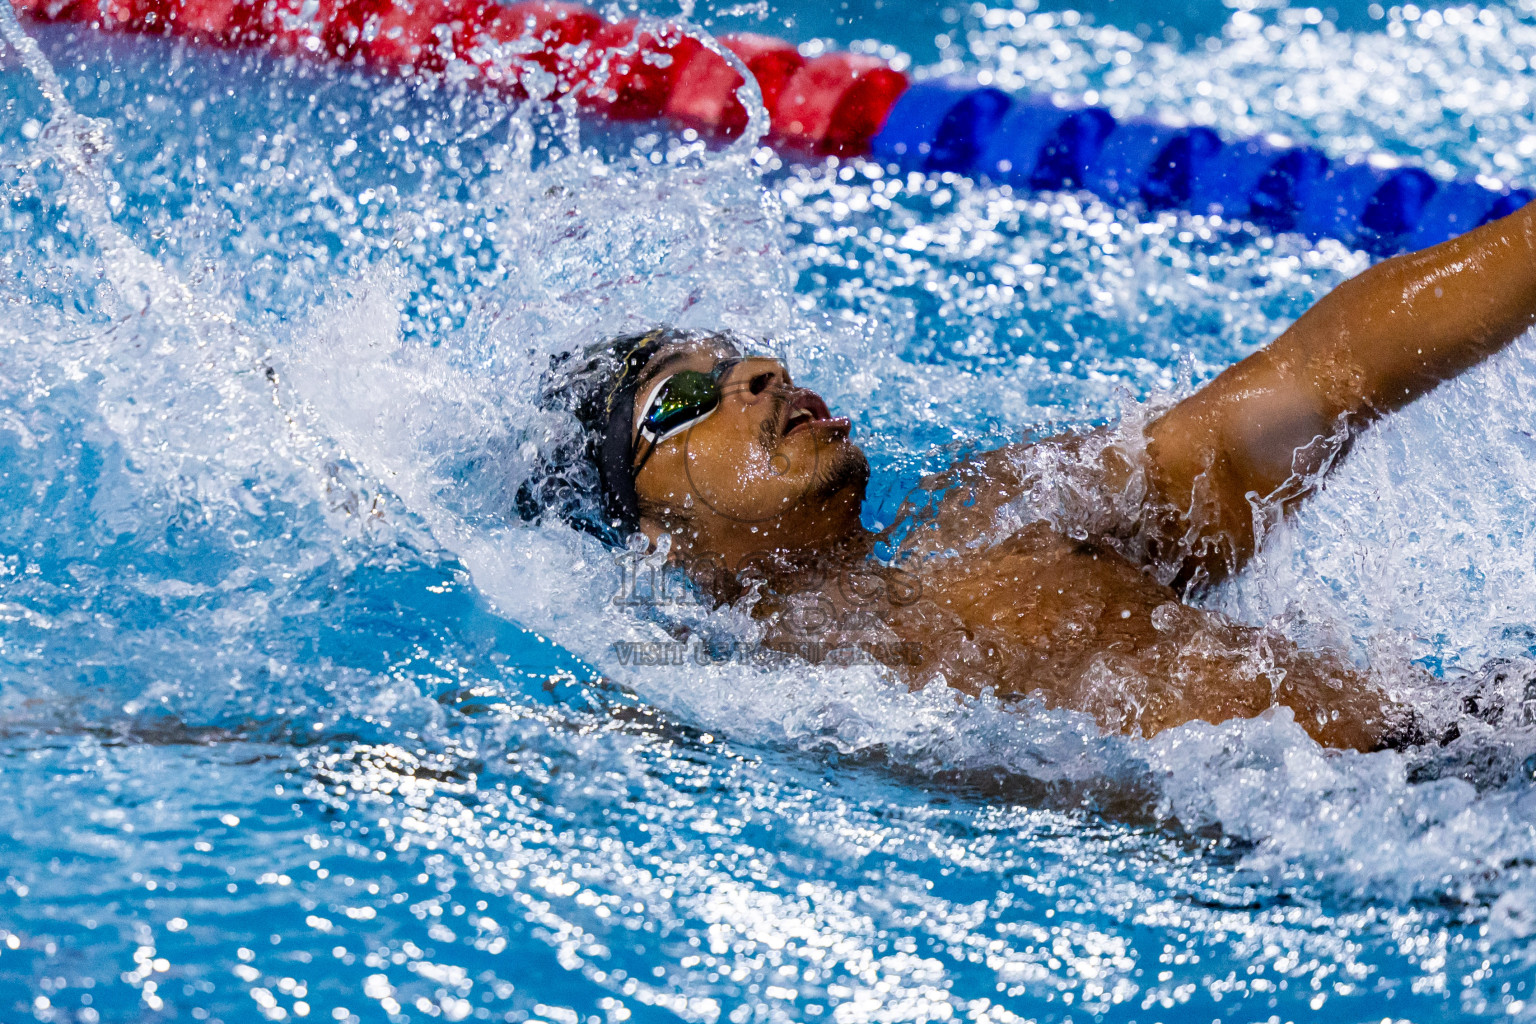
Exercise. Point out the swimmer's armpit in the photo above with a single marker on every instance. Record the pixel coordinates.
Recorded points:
(1271, 424)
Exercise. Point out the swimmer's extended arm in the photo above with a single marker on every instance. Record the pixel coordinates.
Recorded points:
(1372, 345)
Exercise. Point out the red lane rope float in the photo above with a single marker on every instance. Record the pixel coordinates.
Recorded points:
(704, 92)
(836, 104)
(832, 104)
(628, 74)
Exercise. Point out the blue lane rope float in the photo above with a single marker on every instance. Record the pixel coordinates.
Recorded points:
(1026, 141)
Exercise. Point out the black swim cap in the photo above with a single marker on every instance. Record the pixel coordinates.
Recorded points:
(598, 387)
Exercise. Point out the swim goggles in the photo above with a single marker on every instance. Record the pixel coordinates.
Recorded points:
(679, 401)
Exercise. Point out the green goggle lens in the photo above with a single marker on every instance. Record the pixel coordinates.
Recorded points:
(685, 397)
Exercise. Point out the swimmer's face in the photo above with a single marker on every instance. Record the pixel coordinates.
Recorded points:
(770, 469)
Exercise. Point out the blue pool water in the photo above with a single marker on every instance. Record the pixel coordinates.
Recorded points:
(298, 722)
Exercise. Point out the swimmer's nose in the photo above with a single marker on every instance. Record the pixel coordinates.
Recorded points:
(755, 378)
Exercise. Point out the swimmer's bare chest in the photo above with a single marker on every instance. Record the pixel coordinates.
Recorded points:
(1078, 626)
(1048, 602)
(1041, 614)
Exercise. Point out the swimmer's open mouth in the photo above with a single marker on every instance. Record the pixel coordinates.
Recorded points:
(805, 411)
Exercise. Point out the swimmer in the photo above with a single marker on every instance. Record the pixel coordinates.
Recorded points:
(1059, 570)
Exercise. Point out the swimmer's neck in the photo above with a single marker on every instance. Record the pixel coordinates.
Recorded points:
(783, 564)
(811, 535)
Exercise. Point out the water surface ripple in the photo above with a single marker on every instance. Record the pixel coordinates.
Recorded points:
(298, 720)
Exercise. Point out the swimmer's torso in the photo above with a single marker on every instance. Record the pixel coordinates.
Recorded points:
(1077, 625)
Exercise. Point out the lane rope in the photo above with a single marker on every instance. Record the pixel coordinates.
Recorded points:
(835, 104)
